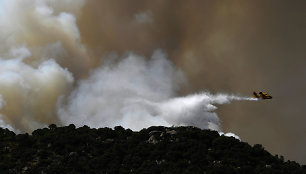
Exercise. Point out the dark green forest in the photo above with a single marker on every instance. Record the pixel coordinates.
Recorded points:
(153, 150)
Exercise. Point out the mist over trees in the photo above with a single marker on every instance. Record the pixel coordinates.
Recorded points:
(153, 150)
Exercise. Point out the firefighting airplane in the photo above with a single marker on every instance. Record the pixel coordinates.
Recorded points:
(262, 95)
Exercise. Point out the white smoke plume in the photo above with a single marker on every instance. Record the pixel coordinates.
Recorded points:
(48, 29)
(29, 95)
(136, 93)
(107, 97)
(39, 41)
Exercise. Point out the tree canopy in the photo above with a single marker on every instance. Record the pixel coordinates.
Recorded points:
(153, 150)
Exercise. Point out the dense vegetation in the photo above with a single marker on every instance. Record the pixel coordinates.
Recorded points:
(153, 150)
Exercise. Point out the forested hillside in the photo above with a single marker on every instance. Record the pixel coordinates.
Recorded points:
(153, 150)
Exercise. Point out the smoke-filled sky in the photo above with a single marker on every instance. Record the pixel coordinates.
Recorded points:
(138, 63)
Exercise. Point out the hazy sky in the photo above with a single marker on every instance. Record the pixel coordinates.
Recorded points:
(232, 47)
